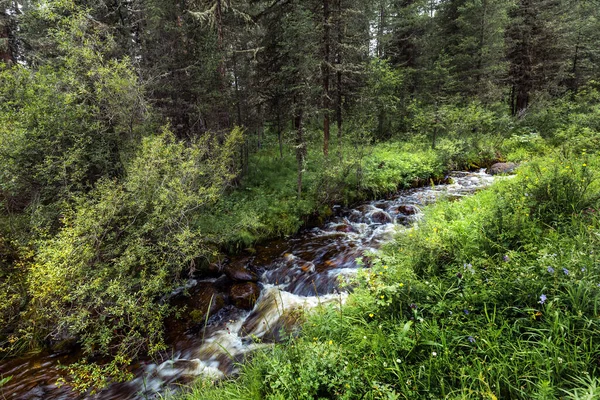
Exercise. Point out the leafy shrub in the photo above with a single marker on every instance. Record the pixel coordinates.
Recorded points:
(126, 245)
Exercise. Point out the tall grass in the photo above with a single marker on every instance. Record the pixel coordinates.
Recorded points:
(496, 296)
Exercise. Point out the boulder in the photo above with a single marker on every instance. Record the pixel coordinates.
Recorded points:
(344, 228)
(407, 209)
(206, 299)
(381, 217)
(244, 295)
(501, 168)
(240, 273)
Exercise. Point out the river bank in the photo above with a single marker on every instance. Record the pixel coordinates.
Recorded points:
(295, 275)
(495, 296)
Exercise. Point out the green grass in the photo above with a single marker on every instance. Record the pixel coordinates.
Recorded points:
(266, 203)
(496, 296)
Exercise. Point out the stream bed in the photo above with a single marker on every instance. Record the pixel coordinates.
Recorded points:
(291, 275)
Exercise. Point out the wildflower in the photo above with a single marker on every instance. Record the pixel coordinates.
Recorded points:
(459, 275)
(506, 258)
(566, 271)
(385, 267)
(582, 269)
(466, 311)
(401, 284)
(382, 296)
(331, 342)
(543, 299)
(471, 339)
(371, 315)
(398, 360)
(434, 353)
(585, 165)
(551, 270)
(413, 306)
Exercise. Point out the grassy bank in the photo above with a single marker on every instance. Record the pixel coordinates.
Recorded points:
(492, 297)
(266, 203)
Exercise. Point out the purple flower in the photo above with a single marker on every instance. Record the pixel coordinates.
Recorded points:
(413, 306)
(551, 270)
(566, 271)
(543, 299)
(471, 339)
(506, 258)
(466, 312)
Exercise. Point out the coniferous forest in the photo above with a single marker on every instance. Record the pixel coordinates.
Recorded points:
(153, 151)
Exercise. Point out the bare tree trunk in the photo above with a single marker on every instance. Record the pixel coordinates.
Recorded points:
(381, 31)
(238, 99)
(338, 62)
(279, 133)
(223, 112)
(325, 72)
(300, 147)
(5, 48)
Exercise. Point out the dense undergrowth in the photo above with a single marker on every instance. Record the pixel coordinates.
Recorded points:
(495, 296)
(95, 273)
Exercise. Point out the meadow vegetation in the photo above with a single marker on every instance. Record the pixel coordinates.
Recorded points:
(493, 296)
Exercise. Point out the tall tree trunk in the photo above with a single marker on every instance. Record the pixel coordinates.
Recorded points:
(326, 73)
(223, 112)
(381, 30)
(5, 45)
(481, 43)
(238, 99)
(300, 147)
(279, 133)
(574, 81)
(338, 62)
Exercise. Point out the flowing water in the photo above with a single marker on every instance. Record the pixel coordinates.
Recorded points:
(293, 275)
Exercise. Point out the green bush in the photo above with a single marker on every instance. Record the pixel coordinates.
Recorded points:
(127, 245)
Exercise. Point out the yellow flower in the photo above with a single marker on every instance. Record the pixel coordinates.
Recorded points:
(331, 342)
(382, 296)
(585, 165)
(371, 315)
(401, 284)
(385, 267)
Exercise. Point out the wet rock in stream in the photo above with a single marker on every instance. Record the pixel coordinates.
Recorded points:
(244, 295)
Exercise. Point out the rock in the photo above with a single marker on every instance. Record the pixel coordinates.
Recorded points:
(214, 269)
(381, 217)
(36, 393)
(239, 272)
(404, 219)
(382, 205)
(408, 209)
(206, 299)
(344, 228)
(501, 168)
(244, 295)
